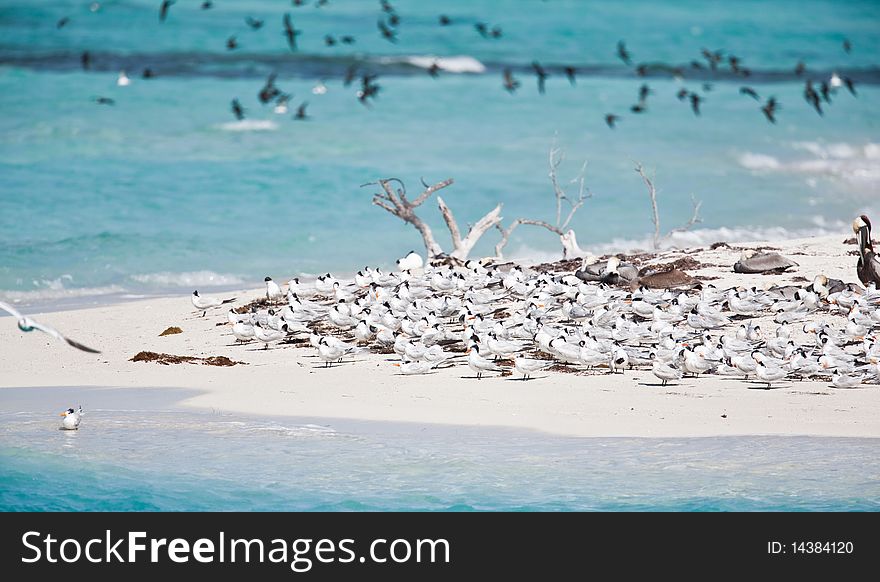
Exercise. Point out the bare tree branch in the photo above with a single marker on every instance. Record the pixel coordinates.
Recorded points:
(568, 239)
(430, 190)
(396, 202)
(450, 222)
(655, 214)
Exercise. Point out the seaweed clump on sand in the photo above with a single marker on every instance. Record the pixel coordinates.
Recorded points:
(173, 330)
(167, 359)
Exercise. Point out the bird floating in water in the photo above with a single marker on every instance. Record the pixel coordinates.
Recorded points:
(26, 324)
(71, 419)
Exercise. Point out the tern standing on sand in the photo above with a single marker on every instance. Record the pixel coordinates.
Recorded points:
(203, 304)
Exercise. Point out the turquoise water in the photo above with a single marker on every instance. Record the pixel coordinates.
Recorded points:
(164, 192)
(154, 455)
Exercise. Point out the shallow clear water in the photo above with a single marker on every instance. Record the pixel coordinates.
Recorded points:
(163, 191)
(157, 456)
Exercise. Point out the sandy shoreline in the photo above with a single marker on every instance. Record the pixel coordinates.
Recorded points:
(289, 380)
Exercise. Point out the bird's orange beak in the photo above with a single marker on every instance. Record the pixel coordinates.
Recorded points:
(398, 365)
(63, 413)
(468, 351)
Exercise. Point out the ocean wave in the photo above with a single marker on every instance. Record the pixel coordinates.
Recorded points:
(249, 125)
(58, 293)
(323, 66)
(457, 64)
(187, 279)
(853, 163)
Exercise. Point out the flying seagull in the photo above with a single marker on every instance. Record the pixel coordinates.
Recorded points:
(27, 324)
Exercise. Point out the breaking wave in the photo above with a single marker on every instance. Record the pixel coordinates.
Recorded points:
(852, 163)
(167, 279)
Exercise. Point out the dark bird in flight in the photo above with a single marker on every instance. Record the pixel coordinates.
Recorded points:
(163, 9)
(570, 73)
(445, 20)
(734, 63)
(707, 87)
(510, 83)
(483, 29)
(850, 85)
(86, 60)
(62, 22)
(800, 68)
(812, 97)
(434, 70)
(347, 39)
(368, 89)
(611, 119)
(712, 58)
(299, 2)
(386, 6)
(231, 43)
(321, 3)
(329, 40)
(394, 19)
(254, 23)
(697, 65)
(495, 32)
(104, 101)
(290, 33)
(644, 91)
(148, 73)
(642, 70)
(638, 108)
(695, 103)
(541, 74)
(847, 46)
(682, 94)
(207, 5)
(237, 109)
(269, 91)
(350, 75)
(387, 33)
(301, 111)
(623, 53)
(825, 90)
(750, 92)
(769, 109)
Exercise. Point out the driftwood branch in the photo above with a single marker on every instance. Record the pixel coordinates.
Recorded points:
(568, 239)
(395, 201)
(655, 213)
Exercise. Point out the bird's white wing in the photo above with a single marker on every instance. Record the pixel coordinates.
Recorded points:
(10, 310)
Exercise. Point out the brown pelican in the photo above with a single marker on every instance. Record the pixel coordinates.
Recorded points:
(868, 267)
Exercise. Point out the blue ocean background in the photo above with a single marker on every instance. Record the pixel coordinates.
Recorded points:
(159, 456)
(165, 192)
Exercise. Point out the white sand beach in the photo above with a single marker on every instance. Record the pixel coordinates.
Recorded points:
(290, 379)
